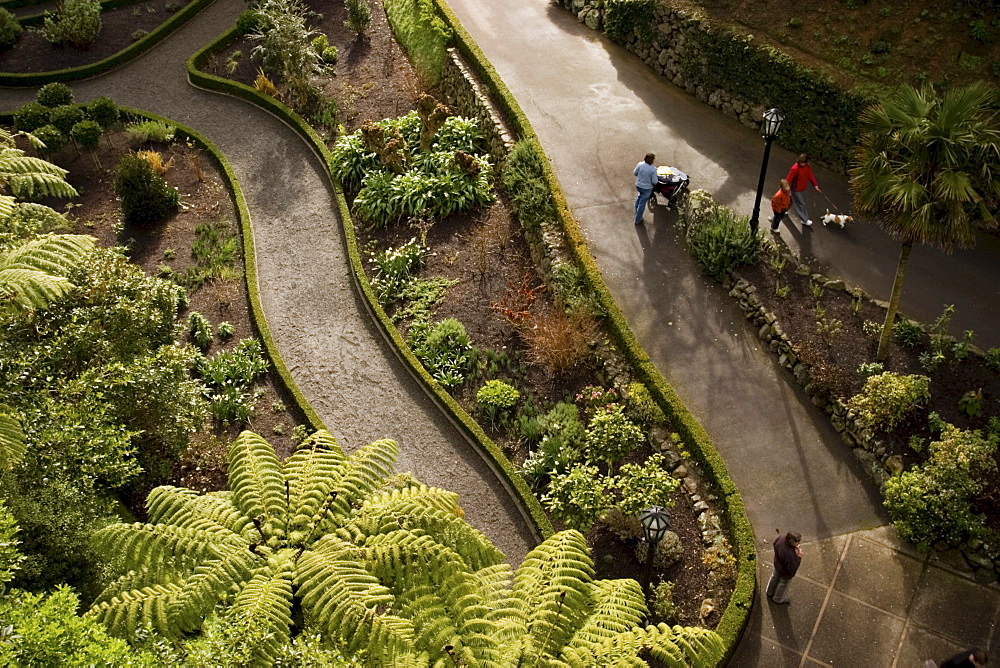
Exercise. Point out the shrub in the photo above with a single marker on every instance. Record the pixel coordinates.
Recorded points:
(611, 435)
(557, 340)
(722, 241)
(200, 330)
(250, 21)
(648, 484)
(319, 43)
(10, 28)
(971, 403)
(523, 179)
(867, 369)
(225, 331)
(993, 358)
(284, 43)
(594, 397)
(394, 269)
(86, 134)
(561, 443)
(640, 406)
(31, 116)
(359, 16)
(495, 399)
(423, 34)
(888, 398)
(330, 55)
(668, 551)
(446, 352)
(622, 16)
(76, 22)
(52, 137)
(906, 332)
(54, 94)
(663, 603)
(795, 22)
(147, 131)
(144, 195)
(980, 31)
(932, 503)
(138, 34)
(104, 111)
(65, 117)
(578, 497)
(228, 377)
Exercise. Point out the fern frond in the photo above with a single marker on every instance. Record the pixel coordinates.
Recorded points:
(158, 549)
(617, 606)
(312, 472)
(257, 483)
(53, 253)
(213, 579)
(30, 177)
(12, 443)
(186, 508)
(366, 469)
(417, 494)
(7, 204)
(130, 610)
(24, 289)
(677, 647)
(267, 600)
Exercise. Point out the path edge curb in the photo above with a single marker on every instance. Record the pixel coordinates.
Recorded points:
(527, 503)
(737, 615)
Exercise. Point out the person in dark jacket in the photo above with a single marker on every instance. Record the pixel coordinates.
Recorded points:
(970, 658)
(787, 557)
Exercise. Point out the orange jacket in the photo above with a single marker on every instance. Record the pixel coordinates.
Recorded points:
(781, 201)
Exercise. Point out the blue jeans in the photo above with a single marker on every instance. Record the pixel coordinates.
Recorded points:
(640, 202)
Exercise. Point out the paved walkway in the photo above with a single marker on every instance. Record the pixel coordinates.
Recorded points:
(320, 325)
(862, 600)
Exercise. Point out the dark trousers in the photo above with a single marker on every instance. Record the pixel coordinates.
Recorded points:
(776, 218)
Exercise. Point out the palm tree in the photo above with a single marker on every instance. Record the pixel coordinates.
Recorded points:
(925, 167)
(381, 562)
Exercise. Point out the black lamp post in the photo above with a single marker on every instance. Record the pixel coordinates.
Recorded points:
(655, 521)
(772, 123)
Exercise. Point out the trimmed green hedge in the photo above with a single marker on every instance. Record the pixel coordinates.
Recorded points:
(422, 33)
(506, 471)
(737, 614)
(27, 79)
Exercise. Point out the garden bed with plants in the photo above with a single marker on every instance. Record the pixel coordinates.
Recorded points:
(73, 41)
(448, 260)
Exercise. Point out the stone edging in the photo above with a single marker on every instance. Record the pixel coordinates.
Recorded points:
(971, 556)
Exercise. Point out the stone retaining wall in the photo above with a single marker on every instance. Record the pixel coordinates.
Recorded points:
(971, 556)
(463, 91)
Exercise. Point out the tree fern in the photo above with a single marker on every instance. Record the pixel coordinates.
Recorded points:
(28, 177)
(33, 274)
(12, 445)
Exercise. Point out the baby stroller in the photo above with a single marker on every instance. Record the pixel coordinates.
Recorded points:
(672, 184)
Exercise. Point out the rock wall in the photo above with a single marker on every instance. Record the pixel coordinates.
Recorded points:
(463, 92)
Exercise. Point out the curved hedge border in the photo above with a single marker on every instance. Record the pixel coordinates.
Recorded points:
(494, 456)
(737, 614)
(28, 79)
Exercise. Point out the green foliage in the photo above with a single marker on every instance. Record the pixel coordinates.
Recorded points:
(12, 444)
(524, 181)
(663, 602)
(495, 400)
(51, 137)
(445, 351)
(284, 43)
(216, 252)
(225, 331)
(578, 497)
(359, 16)
(55, 94)
(623, 16)
(65, 117)
(795, 22)
(86, 134)
(611, 435)
(971, 403)
(719, 239)
(888, 398)
(10, 28)
(867, 369)
(144, 195)
(104, 111)
(249, 21)
(640, 406)
(229, 377)
(562, 440)
(933, 503)
(993, 358)
(76, 22)
(594, 397)
(394, 269)
(648, 484)
(44, 630)
(31, 116)
(150, 131)
(423, 34)
(34, 273)
(907, 332)
(980, 31)
(330, 55)
(10, 555)
(200, 330)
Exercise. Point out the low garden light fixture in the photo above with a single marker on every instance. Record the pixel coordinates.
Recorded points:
(769, 129)
(655, 522)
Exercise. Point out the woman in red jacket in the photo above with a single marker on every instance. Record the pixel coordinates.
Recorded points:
(800, 176)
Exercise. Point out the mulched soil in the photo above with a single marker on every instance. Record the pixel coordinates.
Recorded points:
(119, 29)
(836, 362)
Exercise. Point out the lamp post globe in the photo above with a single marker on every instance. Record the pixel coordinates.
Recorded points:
(655, 522)
(769, 130)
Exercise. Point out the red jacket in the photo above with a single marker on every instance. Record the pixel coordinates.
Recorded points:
(800, 176)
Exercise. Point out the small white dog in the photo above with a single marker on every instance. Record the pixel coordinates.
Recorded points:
(838, 218)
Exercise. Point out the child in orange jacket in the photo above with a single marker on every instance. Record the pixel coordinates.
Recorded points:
(780, 204)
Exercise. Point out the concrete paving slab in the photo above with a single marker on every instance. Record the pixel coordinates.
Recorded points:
(791, 625)
(880, 576)
(766, 652)
(956, 607)
(854, 634)
(821, 558)
(887, 536)
(920, 644)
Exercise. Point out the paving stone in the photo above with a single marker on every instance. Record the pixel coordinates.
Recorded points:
(791, 624)
(854, 634)
(920, 644)
(879, 575)
(956, 607)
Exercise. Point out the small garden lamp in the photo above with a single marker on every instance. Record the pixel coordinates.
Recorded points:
(769, 129)
(655, 521)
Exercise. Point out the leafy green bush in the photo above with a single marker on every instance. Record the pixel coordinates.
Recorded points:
(359, 16)
(200, 330)
(524, 181)
(561, 445)
(330, 55)
(993, 358)
(104, 111)
(10, 28)
(578, 497)
(446, 352)
(52, 137)
(720, 240)
(65, 117)
(150, 131)
(663, 602)
(228, 378)
(641, 407)
(28, 220)
(933, 503)
(888, 398)
(284, 43)
(250, 21)
(495, 399)
(423, 34)
(31, 116)
(86, 134)
(394, 269)
(225, 331)
(144, 195)
(648, 484)
(611, 435)
(55, 94)
(594, 397)
(623, 16)
(867, 369)
(907, 332)
(77, 22)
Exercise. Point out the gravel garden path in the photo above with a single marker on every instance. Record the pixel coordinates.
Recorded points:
(336, 354)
